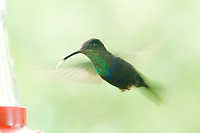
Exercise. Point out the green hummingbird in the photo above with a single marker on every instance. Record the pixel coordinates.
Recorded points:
(113, 69)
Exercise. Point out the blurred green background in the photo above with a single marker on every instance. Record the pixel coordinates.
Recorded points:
(43, 31)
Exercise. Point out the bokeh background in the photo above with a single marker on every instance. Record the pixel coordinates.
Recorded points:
(43, 31)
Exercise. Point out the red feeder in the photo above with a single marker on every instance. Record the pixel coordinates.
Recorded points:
(13, 120)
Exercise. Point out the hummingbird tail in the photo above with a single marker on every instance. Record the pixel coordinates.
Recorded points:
(153, 94)
(153, 91)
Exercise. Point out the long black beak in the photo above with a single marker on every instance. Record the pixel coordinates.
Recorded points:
(62, 60)
(77, 52)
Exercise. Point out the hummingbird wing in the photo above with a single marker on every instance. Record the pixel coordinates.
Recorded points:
(142, 56)
(81, 71)
(87, 66)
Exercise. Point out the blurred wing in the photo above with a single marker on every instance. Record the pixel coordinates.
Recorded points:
(81, 71)
(141, 57)
(87, 66)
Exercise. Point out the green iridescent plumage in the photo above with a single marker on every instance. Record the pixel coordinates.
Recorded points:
(100, 64)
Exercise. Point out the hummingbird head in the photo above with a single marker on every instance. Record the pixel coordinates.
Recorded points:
(92, 45)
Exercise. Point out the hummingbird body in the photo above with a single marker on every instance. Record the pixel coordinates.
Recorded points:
(114, 70)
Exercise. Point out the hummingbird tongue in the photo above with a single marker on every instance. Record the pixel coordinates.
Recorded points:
(59, 63)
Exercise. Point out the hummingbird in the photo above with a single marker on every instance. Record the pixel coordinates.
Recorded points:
(113, 69)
